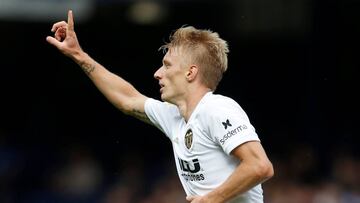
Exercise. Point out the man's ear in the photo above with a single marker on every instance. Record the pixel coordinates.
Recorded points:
(192, 73)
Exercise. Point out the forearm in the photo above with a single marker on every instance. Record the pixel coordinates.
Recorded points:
(242, 180)
(118, 91)
(113, 87)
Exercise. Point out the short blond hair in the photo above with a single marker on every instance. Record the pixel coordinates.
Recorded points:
(205, 48)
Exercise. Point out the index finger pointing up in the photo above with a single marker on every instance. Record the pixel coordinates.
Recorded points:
(70, 21)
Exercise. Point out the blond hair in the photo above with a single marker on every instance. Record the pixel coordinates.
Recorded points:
(205, 48)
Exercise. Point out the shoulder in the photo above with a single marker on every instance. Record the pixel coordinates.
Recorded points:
(216, 108)
(218, 104)
(156, 107)
(151, 103)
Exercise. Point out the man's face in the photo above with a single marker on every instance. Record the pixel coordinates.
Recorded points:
(172, 76)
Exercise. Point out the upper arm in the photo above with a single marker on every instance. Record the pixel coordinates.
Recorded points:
(253, 154)
(229, 126)
(135, 106)
(249, 150)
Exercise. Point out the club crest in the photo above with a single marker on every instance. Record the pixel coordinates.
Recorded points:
(188, 138)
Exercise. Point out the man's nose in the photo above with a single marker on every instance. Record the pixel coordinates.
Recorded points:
(157, 74)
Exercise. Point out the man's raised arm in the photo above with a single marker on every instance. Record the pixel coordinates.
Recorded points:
(118, 91)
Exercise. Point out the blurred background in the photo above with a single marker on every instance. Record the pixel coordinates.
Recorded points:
(293, 67)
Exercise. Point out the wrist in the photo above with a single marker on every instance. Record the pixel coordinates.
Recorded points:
(215, 197)
(86, 63)
(80, 57)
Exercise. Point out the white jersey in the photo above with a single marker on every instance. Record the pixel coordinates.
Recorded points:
(202, 145)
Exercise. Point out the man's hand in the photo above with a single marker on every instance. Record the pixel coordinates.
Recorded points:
(200, 199)
(194, 199)
(65, 37)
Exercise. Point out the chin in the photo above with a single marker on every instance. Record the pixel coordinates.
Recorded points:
(165, 98)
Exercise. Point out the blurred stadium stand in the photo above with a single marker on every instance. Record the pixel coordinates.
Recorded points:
(293, 66)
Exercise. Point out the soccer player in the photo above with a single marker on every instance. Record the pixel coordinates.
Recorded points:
(218, 155)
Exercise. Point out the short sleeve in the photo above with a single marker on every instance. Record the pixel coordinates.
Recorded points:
(162, 114)
(230, 126)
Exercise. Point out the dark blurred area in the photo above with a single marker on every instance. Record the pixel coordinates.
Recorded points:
(293, 67)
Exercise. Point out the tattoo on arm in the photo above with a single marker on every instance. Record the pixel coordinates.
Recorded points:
(141, 115)
(87, 67)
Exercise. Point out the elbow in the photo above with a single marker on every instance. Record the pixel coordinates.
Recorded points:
(124, 105)
(264, 170)
(270, 171)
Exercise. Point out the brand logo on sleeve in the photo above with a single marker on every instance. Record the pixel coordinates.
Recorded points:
(226, 124)
(231, 133)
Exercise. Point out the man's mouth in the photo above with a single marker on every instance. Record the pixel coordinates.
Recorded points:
(161, 87)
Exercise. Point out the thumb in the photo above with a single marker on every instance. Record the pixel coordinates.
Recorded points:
(53, 41)
(190, 198)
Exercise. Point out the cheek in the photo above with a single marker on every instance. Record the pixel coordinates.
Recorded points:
(174, 75)
(168, 77)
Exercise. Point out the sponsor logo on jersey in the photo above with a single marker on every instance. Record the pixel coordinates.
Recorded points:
(226, 124)
(193, 177)
(231, 133)
(190, 170)
(188, 138)
(192, 166)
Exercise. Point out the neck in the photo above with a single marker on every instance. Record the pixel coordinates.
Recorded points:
(190, 101)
